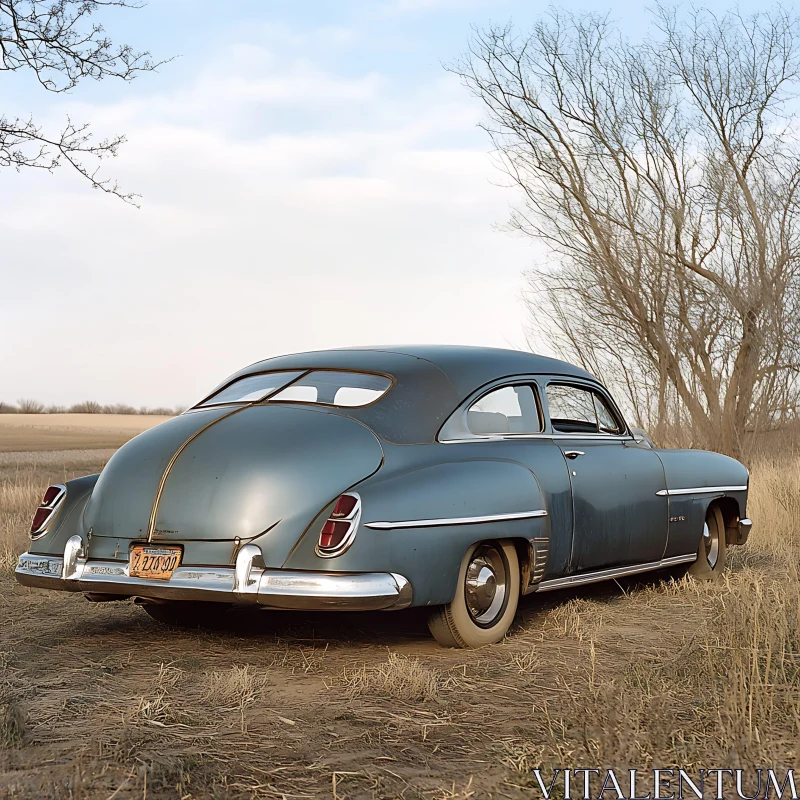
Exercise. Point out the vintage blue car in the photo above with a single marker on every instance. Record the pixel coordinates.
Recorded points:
(457, 478)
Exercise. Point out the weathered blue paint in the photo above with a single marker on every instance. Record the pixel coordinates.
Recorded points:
(270, 473)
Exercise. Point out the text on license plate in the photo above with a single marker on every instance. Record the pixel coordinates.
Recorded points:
(151, 561)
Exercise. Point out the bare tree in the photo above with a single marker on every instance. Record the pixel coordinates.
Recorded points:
(663, 176)
(59, 44)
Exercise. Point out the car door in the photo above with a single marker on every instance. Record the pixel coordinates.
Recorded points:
(619, 517)
(508, 417)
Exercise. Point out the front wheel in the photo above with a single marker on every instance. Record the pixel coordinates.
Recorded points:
(486, 598)
(712, 553)
(713, 550)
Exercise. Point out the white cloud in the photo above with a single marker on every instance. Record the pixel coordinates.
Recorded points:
(352, 213)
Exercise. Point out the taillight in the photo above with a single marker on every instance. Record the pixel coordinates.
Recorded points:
(344, 506)
(51, 495)
(52, 500)
(339, 530)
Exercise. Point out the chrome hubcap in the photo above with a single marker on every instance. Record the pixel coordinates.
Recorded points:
(485, 587)
(711, 544)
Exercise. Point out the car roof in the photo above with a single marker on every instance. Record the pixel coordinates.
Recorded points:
(467, 367)
(431, 380)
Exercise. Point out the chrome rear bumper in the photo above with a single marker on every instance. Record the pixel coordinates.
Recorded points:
(243, 583)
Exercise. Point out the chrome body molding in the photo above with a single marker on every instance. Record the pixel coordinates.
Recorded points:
(431, 523)
(614, 572)
(588, 437)
(244, 583)
(701, 490)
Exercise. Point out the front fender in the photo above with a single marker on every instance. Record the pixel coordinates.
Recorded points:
(430, 555)
(698, 470)
(69, 519)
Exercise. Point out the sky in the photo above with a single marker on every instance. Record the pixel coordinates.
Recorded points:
(310, 177)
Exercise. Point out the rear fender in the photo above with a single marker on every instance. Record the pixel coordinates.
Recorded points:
(430, 555)
(70, 517)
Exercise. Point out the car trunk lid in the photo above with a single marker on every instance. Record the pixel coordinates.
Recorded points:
(263, 473)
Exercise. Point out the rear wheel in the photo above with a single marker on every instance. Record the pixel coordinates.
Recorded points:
(486, 598)
(183, 614)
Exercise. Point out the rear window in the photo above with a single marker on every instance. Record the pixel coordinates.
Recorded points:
(326, 387)
(333, 388)
(251, 388)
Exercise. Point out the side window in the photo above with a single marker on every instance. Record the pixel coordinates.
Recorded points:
(510, 409)
(606, 421)
(574, 409)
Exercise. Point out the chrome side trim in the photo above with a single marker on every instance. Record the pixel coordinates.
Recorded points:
(701, 490)
(615, 572)
(498, 437)
(243, 583)
(430, 523)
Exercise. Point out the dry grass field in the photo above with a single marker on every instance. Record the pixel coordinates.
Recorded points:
(35, 432)
(98, 702)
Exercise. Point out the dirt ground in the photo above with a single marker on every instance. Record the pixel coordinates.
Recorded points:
(32, 432)
(99, 702)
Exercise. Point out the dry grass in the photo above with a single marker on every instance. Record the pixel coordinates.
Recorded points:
(23, 433)
(12, 723)
(399, 678)
(717, 676)
(237, 687)
(99, 699)
(23, 479)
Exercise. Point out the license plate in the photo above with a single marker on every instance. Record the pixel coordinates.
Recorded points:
(153, 561)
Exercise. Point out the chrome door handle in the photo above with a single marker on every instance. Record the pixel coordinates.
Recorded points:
(573, 453)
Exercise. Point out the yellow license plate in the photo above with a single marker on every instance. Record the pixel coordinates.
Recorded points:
(156, 562)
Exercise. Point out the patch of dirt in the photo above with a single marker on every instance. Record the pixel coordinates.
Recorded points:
(274, 704)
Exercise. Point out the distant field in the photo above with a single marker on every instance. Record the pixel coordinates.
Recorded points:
(31, 432)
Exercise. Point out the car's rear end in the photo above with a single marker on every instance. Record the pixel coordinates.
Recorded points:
(211, 504)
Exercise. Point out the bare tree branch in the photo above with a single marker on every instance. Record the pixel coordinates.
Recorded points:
(664, 180)
(58, 42)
